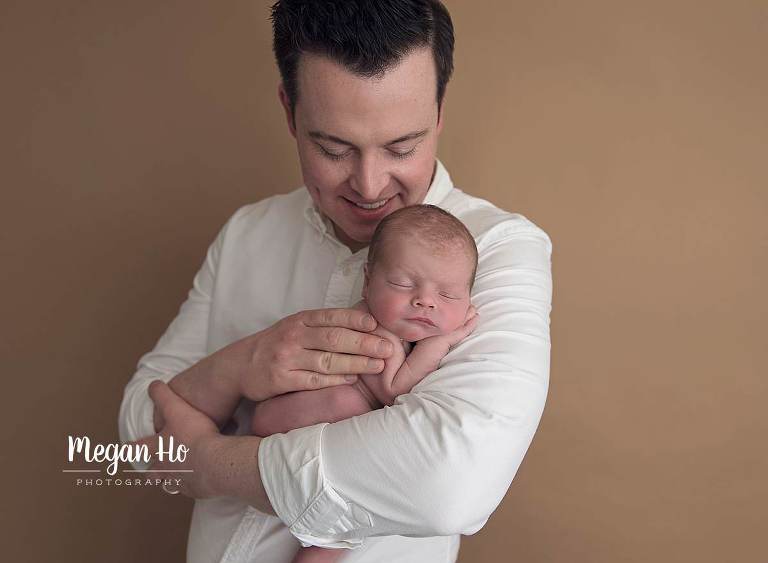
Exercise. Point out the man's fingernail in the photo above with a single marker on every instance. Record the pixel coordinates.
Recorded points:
(385, 347)
(351, 378)
(369, 323)
(374, 364)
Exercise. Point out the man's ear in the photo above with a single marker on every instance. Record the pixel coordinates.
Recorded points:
(287, 107)
(441, 117)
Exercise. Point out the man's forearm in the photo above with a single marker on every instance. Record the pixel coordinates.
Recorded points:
(231, 466)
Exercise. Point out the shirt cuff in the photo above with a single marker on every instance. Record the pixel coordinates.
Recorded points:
(292, 473)
(137, 418)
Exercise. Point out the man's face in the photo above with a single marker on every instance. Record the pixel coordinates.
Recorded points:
(416, 291)
(367, 146)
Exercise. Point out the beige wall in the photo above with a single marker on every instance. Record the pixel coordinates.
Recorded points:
(634, 133)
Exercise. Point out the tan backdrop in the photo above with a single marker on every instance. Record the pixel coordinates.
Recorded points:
(634, 133)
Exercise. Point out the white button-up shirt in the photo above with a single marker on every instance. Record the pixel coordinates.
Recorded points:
(399, 483)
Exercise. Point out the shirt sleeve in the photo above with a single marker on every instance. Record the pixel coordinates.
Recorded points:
(183, 344)
(439, 461)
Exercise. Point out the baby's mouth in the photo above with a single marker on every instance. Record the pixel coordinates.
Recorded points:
(423, 320)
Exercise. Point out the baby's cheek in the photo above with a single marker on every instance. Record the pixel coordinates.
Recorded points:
(383, 310)
(455, 320)
(378, 307)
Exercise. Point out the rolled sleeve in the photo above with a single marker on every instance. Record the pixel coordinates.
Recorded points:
(136, 419)
(292, 474)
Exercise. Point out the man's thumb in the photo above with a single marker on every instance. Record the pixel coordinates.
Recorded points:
(161, 395)
(149, 441)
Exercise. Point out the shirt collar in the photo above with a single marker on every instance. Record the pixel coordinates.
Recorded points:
(440, 187)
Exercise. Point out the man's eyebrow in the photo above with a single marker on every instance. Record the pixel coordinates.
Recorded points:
(408, 137)
(333, 138)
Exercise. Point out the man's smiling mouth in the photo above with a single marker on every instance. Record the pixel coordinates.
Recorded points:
(371, 209)
(374, 205)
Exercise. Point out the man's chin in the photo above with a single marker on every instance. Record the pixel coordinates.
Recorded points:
(356, 241)
(358, 231)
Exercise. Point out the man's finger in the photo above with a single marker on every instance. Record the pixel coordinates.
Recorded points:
(330, 363)
(349, 318)
(164, 398)
(308, 380)
(151, 443)
(346, 341)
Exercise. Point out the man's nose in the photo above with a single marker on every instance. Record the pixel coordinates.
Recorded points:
(371, 177)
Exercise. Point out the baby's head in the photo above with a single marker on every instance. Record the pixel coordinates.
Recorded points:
(420, 271)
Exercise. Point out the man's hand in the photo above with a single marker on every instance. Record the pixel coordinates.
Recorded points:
(188, 427)
(214, 465)
(308, 350)
(311, 350)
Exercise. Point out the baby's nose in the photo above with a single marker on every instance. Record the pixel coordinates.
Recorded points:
(424, 301)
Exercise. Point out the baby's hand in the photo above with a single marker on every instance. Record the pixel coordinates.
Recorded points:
(470, 323)
(451, 339)
(429, 352)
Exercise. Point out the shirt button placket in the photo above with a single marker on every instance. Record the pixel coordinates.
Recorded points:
(341, 284)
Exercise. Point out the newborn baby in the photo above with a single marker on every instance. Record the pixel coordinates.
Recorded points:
(420, 270)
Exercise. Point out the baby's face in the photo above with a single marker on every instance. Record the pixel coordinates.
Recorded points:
(415, 291)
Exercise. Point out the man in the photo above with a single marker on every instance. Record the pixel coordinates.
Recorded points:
(362, 88)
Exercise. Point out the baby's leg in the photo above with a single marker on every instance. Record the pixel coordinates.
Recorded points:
(318, 555)
(305, 408)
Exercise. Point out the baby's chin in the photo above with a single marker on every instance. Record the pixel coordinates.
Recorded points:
(409, 332)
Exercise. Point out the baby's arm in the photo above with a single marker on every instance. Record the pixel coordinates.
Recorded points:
(426, 355)
(316, 554)
(286, 412)
(399, 376)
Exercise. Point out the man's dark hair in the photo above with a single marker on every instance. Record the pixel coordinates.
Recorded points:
(368, 37)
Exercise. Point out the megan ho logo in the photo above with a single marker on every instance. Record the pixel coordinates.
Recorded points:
(102, 461)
